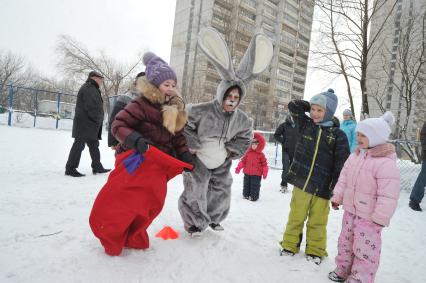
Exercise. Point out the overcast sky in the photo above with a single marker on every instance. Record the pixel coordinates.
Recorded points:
(122, 28)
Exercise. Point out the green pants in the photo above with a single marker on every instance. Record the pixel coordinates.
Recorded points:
(316, 209)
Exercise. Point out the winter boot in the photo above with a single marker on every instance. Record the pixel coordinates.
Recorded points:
(314, 258)
(336, 278)
(73, 173)
(286, 252)
(415, 206)
(194, 231)
(283, 189)
(216, 226)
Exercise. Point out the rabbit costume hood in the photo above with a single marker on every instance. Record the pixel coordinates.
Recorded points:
(255, 60)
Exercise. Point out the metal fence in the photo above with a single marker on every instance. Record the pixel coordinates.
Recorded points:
(409, 170)
(30, 107)
(38, 108)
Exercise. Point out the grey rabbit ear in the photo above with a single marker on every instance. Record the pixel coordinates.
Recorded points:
(256, 59)
(216, 50)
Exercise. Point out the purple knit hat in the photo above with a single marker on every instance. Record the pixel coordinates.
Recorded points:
(157, 70)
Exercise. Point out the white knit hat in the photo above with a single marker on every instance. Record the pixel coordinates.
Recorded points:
(377, 130)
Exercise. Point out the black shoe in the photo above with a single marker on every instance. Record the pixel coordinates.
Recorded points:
(314, 258)
(73, 173)
(100, 171)
(336, 278)
(194, 231)
(286, 252)
(216, 226)
(415, 206)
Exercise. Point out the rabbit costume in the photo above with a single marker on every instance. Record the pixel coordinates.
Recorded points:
(217, 136)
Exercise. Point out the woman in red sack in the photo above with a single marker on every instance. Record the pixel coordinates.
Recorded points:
(149, 130)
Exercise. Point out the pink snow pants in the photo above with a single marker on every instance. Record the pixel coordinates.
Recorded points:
(359, 249)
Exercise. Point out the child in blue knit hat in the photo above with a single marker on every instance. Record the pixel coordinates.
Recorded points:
(320, 153)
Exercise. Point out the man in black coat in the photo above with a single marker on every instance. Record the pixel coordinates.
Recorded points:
(287, 134)
(418, 191)
(87, 126)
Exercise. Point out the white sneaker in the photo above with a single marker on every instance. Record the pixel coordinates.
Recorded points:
(283, 189)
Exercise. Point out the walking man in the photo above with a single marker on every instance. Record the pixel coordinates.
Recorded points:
(87, 126)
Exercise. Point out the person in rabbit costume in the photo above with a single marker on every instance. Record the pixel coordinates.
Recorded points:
(218, 132)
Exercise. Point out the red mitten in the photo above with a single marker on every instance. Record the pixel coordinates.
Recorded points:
(239, 167)
(265, 172)
(335, 205)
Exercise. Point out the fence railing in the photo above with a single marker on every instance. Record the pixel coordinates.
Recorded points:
(408, 169)
(32, 107)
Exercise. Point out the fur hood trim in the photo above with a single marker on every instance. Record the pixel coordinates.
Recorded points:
(174, 114)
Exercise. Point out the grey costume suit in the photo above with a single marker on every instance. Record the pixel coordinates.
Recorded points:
(217, 137)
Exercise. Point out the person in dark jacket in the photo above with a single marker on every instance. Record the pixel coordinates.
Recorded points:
(418, 191)
(119, 104)
(318, 159)
(287, 134)
(87, 126)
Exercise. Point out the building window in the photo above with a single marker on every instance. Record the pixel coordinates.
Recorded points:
(284, 73)
(290, 18)
(247, 14)
(298, 89)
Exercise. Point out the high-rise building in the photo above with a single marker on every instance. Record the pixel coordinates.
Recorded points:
(287, 23)
(394, 60)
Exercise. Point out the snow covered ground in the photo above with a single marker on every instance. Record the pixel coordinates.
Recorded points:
(45, 235)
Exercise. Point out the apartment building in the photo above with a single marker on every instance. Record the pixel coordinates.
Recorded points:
(395, 54)
(287, 23)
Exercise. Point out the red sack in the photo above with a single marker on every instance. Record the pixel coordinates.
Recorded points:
(131, 198)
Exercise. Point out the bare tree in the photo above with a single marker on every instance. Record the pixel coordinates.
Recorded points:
(75, 60)
(11, 66)
(347, 40)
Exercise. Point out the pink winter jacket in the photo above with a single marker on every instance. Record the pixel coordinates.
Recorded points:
(369, 184)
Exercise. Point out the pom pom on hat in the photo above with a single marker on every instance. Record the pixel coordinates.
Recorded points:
(377, 130)
(147, 57)
(157, 70)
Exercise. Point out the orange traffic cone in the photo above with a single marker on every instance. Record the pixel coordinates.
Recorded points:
(167, 233)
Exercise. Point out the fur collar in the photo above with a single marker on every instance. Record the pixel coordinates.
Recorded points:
(174, 114)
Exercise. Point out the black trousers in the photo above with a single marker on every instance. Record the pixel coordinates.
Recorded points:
(251, 186)
(76, 150)
(287, 160)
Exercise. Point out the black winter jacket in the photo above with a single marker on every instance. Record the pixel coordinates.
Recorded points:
(89, 112)
(319, 156)
(287, 134)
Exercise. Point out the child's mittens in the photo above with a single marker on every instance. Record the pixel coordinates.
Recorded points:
(335, 205)
(238, 168)
(265, 172)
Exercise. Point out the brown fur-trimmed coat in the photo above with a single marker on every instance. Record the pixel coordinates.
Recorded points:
(157, 121)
